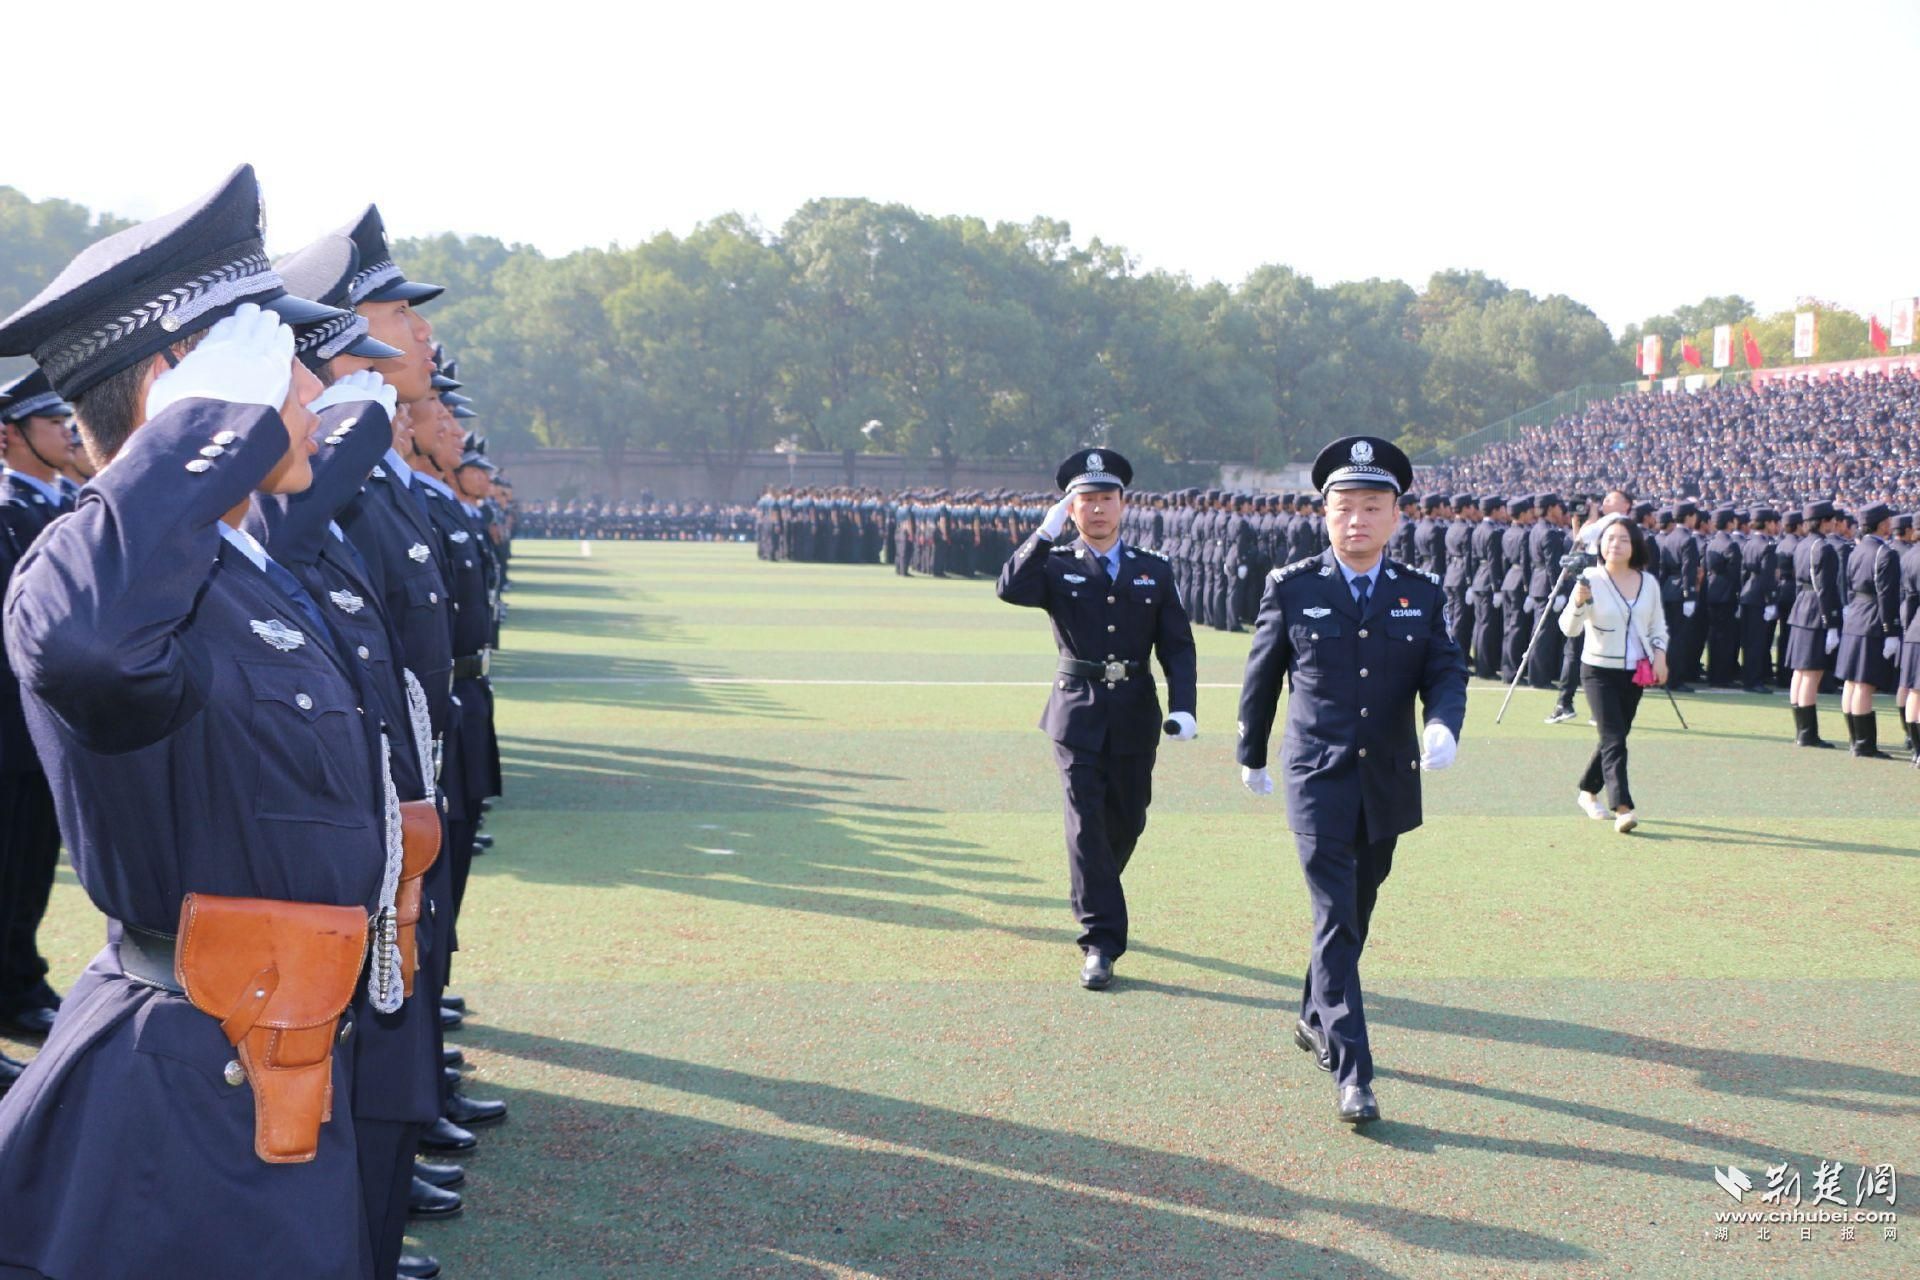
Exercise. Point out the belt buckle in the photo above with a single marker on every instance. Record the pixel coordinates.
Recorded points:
(1116, 671)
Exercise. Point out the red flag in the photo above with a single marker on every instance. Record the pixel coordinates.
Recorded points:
(1690, 353)
(1636, 359)
(1753, 349)
(1876, 335)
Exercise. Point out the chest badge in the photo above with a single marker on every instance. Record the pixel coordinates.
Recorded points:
(278, 634)
(418, 553)
(1143, 581)
(1316, 612)
(1074, 577)
(346, 601)
(460, 536)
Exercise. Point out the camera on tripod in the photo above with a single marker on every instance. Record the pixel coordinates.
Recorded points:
(1579, 560)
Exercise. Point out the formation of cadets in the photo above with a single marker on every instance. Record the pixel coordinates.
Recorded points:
(643, 521)
(248, 691)
(1737, 584)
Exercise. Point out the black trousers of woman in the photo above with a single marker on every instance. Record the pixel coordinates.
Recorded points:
(1613, 699)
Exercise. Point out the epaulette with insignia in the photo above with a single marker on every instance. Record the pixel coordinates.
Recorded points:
(1157, 555)
(1297, 567)
(1067, 550)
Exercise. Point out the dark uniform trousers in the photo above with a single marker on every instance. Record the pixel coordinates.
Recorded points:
(1107, 793)
(1756, 645)
(1343, 883)
(32, 852)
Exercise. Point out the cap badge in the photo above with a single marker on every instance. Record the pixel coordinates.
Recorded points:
(1095, 462)
(1362, 453)
(278, 634)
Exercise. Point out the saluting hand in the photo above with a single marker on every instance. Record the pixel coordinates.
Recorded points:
(1056, 519)
(361, 385)
(247, 358)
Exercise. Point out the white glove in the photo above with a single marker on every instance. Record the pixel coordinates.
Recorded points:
(245, 359)
(1256, 781)
(1241, 572)
(1056, 519)
(1833, 639)
(1187, 728)
(1890, 648)
(1686, 609)
(1527, 606)
(362, 385)
(1437, 746)
(1771, 612)
(1559, 603)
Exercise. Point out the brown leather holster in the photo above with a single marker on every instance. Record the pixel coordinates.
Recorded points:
(419, 846)
(277, 976)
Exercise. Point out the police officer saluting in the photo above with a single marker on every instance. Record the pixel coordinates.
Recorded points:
(1358, 634)
(1113, 607)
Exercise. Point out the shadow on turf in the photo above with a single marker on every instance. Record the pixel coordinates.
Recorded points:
(953, 1193)
(1717, 833)
(814, 843)
(638, 684)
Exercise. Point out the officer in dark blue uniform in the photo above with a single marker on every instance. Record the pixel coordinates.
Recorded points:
(202, 736)
(1813, 625)
(36, 422)
(1113, 607)
(1759, 586)
(1358, 635)
(1869, 629)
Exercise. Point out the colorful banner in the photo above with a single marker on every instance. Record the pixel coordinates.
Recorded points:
(1902, 322)
(1806, 335)
(1653, 354)
(1884, 366)
(1722, 345)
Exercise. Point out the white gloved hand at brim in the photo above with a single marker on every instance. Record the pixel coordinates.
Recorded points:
(1256, 780)
(1188, 729)
(246, 358)
(1437, 747)
(360, 386)
(1056, 518)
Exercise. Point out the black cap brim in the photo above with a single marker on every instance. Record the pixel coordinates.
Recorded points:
(405, 291)
(441, 382)
(461, 411)
(368, 347)
(300, 312)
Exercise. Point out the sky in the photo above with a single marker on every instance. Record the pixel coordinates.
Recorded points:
(1634, 157)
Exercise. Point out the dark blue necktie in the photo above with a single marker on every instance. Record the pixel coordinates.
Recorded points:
(290, 586)
(1362, 588)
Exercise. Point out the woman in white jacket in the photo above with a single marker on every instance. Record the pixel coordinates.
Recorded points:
(1616, 605)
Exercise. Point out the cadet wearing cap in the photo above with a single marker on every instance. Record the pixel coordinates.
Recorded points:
(203, 742)
(1113, 607)
(1759, 583)
(1870, 629)
(1814, 623)
(1357, 634)
(36, 422)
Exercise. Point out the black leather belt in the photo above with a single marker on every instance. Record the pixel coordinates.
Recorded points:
(147, 957)
(1110, 671)
(474, 666)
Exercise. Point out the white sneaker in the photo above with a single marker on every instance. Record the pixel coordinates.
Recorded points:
(1560, 715)
(1590, 805)
(1625, 822)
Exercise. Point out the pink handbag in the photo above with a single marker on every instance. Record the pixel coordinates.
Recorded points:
(1643, 673)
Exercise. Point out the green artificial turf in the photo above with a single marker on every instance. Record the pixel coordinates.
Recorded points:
(773, 964)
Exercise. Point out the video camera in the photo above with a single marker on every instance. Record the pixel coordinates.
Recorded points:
(1579, 560)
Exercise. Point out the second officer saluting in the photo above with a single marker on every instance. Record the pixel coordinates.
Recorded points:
(1112, 607)
(1359, 635)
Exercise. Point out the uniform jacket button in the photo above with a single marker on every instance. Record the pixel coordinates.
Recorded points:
(234, 1074)
(1363, 713)
(1363, 753)
(1363, 633)
(1110, 626)
(1363, 673)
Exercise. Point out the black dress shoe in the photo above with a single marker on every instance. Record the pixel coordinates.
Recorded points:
(444, 1137)
(444, 1176)
(10, 1071)
(450, 1078)
(1096, 971)
(456, 1003)
(31, 1023)
(450, 1019)
(482, 841)
(452, 1057)
(426, 1201)
(1314, 1042)
(1357, 1105)
(471, 1113)
(418, 1266)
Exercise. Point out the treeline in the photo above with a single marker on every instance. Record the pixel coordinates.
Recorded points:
(862, 326)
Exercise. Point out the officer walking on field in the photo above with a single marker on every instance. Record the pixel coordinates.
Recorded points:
(1113, 607)
(1358, 635)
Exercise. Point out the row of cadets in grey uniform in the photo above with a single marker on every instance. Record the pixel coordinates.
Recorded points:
(1357, 636)
(1113, 607)
(36, 422)
(214, 761)
(412, 579)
